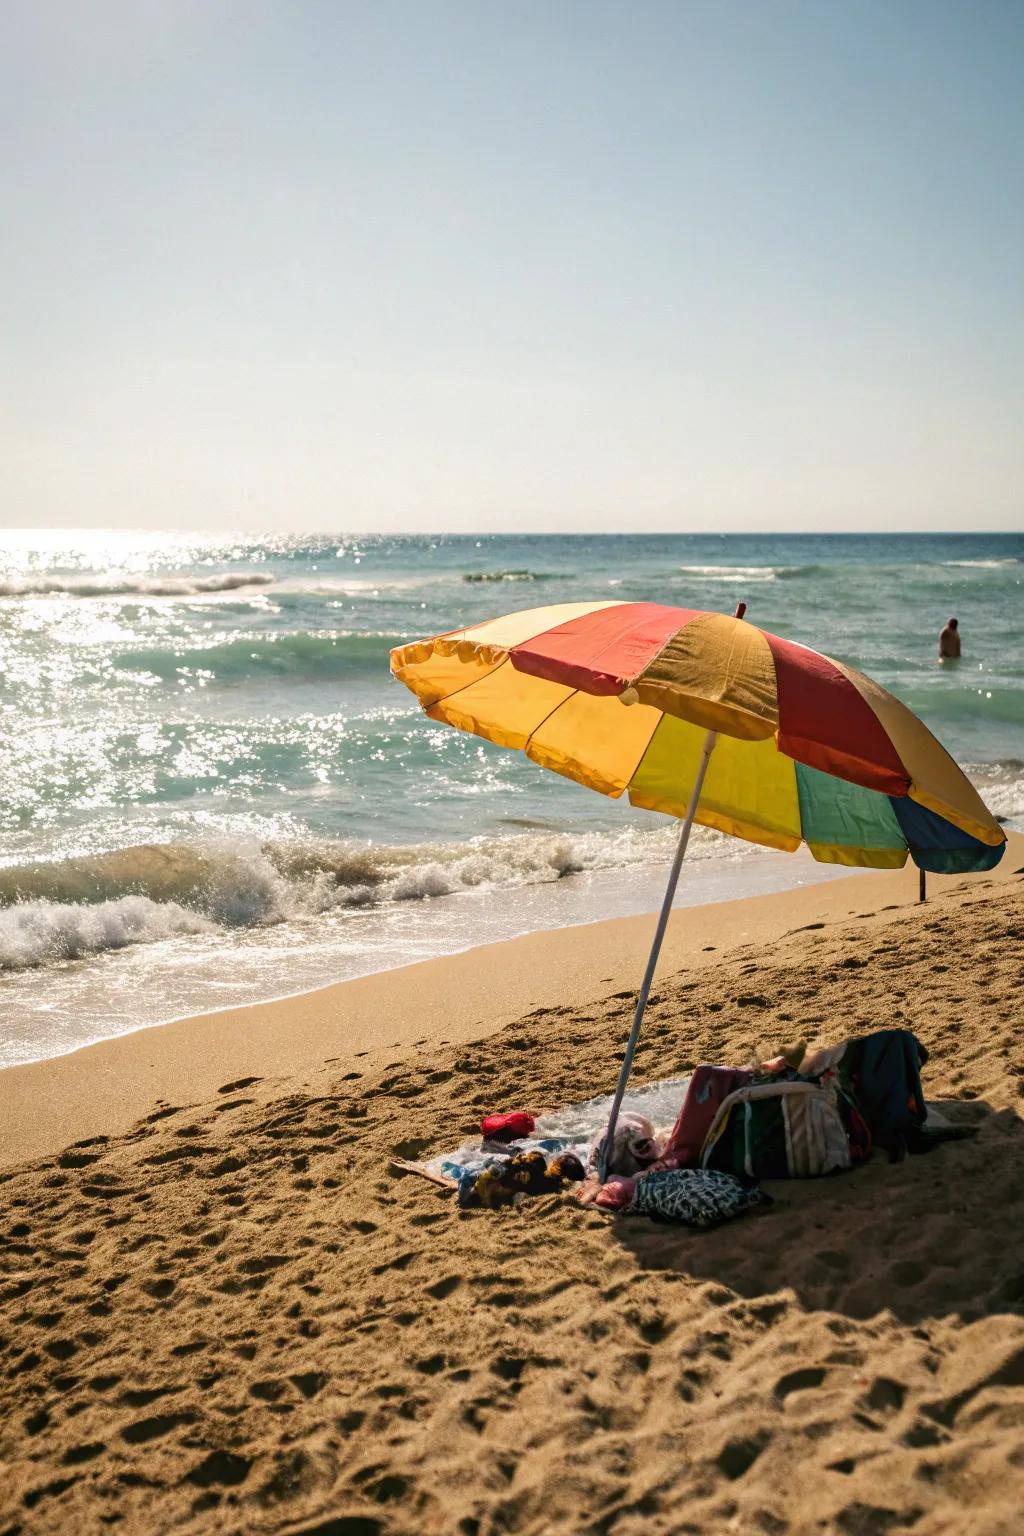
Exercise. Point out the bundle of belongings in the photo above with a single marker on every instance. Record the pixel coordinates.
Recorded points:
(802, 1114)
(805, 1114)
(511, 1163)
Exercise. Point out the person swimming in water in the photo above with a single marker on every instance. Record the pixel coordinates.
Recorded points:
(949, 641)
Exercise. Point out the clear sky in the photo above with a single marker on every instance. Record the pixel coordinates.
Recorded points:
(537, 264)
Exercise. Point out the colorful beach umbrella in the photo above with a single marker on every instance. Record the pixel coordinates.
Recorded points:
(708, 718)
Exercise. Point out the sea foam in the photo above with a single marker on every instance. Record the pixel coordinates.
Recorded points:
(45, 932)
(131, 586)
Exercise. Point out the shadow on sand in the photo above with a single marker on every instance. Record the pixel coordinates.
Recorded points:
(934, 1235)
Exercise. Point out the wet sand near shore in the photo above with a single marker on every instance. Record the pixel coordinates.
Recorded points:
(227, 1313)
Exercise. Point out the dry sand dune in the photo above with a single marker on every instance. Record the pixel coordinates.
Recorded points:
(237, 1318)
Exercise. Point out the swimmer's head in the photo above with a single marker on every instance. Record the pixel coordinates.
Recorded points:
(952, 623)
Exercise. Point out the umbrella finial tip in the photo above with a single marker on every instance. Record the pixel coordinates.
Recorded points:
(741, 609)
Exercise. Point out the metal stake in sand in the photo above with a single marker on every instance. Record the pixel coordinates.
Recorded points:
(659, 934)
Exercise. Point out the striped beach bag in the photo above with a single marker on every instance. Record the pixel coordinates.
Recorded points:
(787, 1130)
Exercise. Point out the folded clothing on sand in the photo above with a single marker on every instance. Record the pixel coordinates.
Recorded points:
(881, 1074)
(696, 1197)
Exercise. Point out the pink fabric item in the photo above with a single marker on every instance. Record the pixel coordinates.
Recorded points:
(708, 1087)
(613, 1196)
(616, 1194)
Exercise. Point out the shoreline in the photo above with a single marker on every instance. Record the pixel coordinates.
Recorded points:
(105, 1088)
(109, 994)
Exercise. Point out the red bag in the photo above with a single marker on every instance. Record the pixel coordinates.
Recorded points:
(507, 1127)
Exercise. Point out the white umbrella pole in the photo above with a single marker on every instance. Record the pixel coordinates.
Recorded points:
(652, 960)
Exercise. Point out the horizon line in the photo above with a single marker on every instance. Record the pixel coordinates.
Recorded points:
(546, 533)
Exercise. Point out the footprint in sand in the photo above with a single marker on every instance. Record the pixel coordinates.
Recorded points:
(78, 1159)
(885, 1395)
(738, 1456)
(799, 1381)
(79, 1453)
(442, 1288)
(220, 1467)
(141, 1397)
(161, 1424)
(343, 1525)
(50, 1490)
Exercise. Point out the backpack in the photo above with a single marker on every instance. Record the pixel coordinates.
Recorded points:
(881, 1072)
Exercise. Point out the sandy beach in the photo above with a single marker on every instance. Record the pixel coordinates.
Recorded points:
(512, 520)
(224, 1310)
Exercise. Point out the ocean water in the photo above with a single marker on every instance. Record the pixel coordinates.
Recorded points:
(211, 789)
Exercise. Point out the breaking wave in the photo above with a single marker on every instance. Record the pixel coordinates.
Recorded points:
(798, 572)
(153, 892)
(522, 575)
(51, 912)
(752, 572)
(305, 586)
(40, 932)
(983, 565)
(131, 586)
